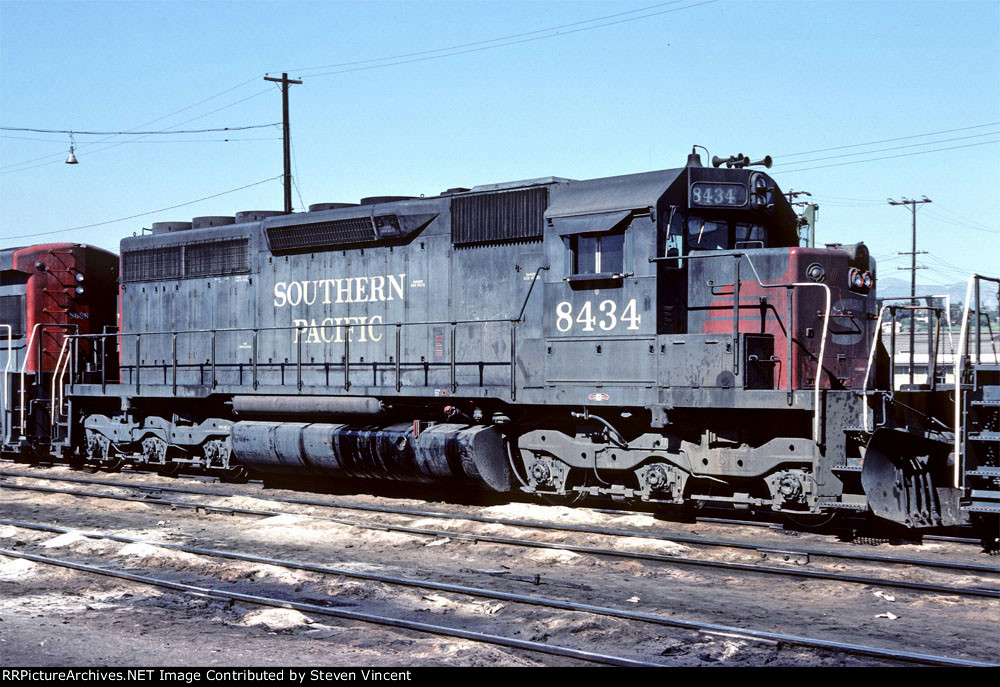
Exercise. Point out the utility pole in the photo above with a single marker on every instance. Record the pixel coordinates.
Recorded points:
(913, 271)
(807, 218)
(285, 82)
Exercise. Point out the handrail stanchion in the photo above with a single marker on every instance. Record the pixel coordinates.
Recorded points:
(6, 421)
(254, 354)
(214, 382)
(513, 360)
(173, 361)
(298, 359)
(454, 357)
(138, 361)
(104, 364)
(790, 344)
(979, 326)
(399, 381)
(736, 314)
(347, 356)
(24, 367)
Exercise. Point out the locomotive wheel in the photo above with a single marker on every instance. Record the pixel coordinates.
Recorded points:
(237, 474)
(112, 465)
(570, 498)
(170, 469)
(562, 499)
(811, 521)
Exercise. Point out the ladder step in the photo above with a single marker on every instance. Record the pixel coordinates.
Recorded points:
(982, 471)
(984, 436)
(989, 404)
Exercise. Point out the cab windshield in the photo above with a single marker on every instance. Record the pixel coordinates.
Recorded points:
(714, 234)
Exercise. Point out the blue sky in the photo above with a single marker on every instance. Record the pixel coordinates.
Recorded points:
(622, 94)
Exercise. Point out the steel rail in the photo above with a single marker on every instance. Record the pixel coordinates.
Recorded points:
(492, 594)
(194, 590)
(535, 524)
(586, 550)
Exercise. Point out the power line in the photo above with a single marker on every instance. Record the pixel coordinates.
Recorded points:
(143, 214)
(883, 150)
(889, 140)
(483, 42)
(889, 157)
(115, 145)
(505, 44)
(138, 133)
(967, 219)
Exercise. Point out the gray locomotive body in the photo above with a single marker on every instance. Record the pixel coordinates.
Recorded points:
(658, 337)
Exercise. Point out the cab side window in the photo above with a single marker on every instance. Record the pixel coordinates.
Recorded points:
(601, 253)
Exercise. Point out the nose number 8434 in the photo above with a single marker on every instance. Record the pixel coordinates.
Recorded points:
(604, 316)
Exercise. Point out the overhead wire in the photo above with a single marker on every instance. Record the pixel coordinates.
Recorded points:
(132, 132)
(889, 140)
(143, 214)
(883, 150)
(481, 48)
(887, 157)
(483, 42)
(21, 168)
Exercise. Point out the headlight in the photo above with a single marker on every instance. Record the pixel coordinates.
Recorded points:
(856, 278)
(79, 291)
(816, 272)
(868, 280)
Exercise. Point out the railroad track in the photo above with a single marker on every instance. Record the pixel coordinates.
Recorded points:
(463, 590)
(150, 494)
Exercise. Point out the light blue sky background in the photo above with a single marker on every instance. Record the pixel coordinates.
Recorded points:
(757, 77)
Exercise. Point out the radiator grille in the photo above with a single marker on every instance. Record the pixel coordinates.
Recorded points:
(217, 258)
(152, 264)
(499, 217)
(321, 235)
(209, 259)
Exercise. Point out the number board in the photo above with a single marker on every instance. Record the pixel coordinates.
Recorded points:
(718, 194)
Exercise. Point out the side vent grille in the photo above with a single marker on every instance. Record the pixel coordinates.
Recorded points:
(217, 258)
(209, 259)
(499, 217)
(152, 264)
(320, 235)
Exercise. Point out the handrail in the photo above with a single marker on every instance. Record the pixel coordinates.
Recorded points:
(6, 424)
(822, 346)
(877, 335)
(60, 373)
(947, 311)
(787, 285)
(345, 327)
(868, 368)
(291, 327)
(24, 366)
(27, 356)
(960, 356)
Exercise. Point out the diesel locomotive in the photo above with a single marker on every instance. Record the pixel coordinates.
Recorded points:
(660, 337)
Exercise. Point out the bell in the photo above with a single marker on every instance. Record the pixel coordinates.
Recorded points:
(71, 159)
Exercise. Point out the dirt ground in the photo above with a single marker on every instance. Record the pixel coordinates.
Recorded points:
(58, 617)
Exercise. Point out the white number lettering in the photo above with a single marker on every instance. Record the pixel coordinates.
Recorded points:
(610, 321)
(585, 318)
(631, 316)
(564, 318)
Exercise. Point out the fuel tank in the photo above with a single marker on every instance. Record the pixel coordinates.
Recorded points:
(470, 455)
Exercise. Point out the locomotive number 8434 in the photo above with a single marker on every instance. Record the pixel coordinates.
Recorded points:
(658, 337)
